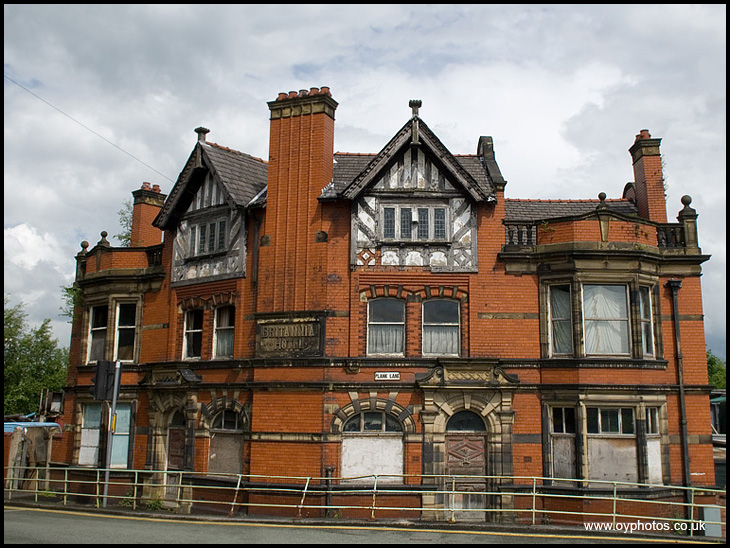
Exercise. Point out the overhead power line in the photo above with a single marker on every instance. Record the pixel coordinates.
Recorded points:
(87, 128)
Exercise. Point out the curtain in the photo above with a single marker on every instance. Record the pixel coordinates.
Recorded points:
(606, 319)
(562, 328)
(385, 339)
(440, 339)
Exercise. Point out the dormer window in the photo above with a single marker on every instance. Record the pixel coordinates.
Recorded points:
(414, 223)
(208, 237)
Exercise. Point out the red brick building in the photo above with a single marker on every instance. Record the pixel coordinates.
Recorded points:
(394, 314)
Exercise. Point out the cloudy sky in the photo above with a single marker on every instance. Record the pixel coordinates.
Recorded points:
(99, 99)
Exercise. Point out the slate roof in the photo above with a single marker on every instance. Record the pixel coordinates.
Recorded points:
(352, 172)
(244, 176)
(537, 210)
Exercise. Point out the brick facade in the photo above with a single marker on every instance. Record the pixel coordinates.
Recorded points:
(257, 340)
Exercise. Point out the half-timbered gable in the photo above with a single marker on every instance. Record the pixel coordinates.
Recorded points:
(207, 212)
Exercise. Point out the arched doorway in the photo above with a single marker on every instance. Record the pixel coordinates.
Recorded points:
(466, 463)
(175, 454)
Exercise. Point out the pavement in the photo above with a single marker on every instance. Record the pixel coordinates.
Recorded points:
(46, 502)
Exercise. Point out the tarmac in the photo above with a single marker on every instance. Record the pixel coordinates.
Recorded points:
(29, 500)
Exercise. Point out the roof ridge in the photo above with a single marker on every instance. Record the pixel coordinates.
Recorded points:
(228, 149)
(565, 200)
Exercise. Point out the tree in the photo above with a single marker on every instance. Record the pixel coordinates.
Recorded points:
(33, 361)
(716, 370)
(125, 221)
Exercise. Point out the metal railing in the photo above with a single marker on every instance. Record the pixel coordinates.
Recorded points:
(518, 499)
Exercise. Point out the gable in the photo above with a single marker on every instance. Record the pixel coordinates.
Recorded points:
(415, 159)
(223, 174)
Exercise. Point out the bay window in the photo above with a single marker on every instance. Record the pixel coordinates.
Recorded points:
(606, 319)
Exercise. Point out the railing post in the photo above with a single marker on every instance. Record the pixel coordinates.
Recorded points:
(304, 494)
(235, 496)
(136, 482)
(452, 498)
(65, 487)
(375, 490)
(534, 489)
(614, 505)
(691, 512)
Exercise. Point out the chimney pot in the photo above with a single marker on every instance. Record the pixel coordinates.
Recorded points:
(303, 93)
(292, 94)
(156, 188)
(314, 91)
(282, 96)
(146, 186)
(325, 91)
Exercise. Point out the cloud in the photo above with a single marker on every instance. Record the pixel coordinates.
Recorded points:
(562, 89)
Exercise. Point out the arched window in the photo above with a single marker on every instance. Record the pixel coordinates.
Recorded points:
(441, 333)
(225, 455)
(372, 444)
(372, 421)
(386, 326)
(465, 421)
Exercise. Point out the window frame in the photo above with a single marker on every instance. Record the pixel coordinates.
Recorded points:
(392, 229)
(560, 411)
(386, 419)
(101, 330)
(208, 236)
(456, 325)
(218, 330)
(190, 332)
(627, 320)
(370, 323)
(551, 319)
(126, 327)
(602, 412)
(646, 322)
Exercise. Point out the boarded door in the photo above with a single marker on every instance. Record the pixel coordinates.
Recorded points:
(466, 457)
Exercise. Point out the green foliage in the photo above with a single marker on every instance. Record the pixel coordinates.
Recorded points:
(716, 370)
(125, 221)
(32, 361)
(72, 299)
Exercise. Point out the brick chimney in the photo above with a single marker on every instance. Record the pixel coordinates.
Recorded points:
(301, 147)
(148, 201)
(648, 177)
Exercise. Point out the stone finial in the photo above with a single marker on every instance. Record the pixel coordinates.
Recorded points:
(202, 132)
(103, 240)
(415, 104)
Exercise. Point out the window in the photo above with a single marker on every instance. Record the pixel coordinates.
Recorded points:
(465, 421)
(386, 326)
(193, 334)
(647, 328)
(563, 420)
(372, 421)
(372, 444)
(610, 420)
(97, 333)
(226, 443)
(606, 316)
(652, 420)
(120, 445)
(224, 331)
(126, 331)
(208, 237)
(561, 324)
(90, 429)
(441, 333)
(414, 223)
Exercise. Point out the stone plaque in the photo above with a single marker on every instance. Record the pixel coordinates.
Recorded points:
(289, 335)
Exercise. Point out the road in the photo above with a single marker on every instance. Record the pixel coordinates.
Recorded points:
(50, 526)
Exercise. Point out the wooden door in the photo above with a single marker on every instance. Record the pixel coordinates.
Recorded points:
(466, 462)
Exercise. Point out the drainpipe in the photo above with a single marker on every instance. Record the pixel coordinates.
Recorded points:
(674, 286)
